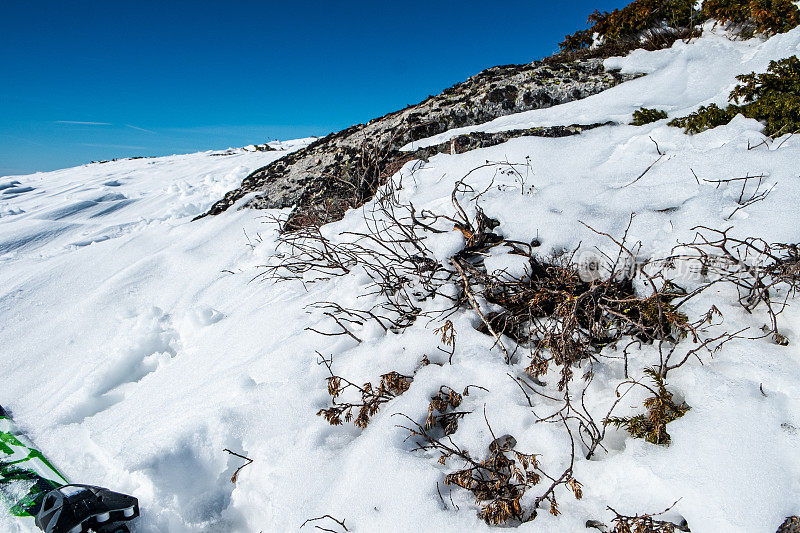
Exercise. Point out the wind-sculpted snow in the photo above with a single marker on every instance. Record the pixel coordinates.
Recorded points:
(137, 347)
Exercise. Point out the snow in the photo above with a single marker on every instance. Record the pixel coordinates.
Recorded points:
(680, 79)
(137, 347)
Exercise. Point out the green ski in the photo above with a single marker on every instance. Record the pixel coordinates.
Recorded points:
(35, 491)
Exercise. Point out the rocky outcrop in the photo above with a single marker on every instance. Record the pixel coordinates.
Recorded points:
(790, 525)
(343, 169)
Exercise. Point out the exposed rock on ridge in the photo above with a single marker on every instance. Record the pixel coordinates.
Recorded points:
(342, 170)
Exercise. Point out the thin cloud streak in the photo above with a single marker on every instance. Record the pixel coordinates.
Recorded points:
(114, 146)
(137, 128)
(82, 123)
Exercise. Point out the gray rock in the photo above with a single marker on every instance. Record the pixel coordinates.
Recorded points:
(503, 444)
(790, 525)
(342, 170)
(596, 524)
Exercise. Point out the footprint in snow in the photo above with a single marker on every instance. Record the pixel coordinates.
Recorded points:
(151, 342)
(195, 476)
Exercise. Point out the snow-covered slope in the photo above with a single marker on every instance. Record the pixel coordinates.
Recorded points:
(680, 79)
(136, 348)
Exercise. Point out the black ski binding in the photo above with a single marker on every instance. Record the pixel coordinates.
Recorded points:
(84, 509)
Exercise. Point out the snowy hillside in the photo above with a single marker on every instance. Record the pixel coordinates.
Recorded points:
(137, 345)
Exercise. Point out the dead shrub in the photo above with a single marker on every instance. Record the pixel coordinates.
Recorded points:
(565, 319)
(763, 273)
(353, 181)
(498, 482)
(441, 409)
(391, 252)
(445, 399)
(391, 385)
(558, 312)
(645, 523)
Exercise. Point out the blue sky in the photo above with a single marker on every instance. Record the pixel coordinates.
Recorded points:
(83, 81)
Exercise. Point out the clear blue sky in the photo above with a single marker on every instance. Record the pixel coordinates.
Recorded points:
(81, 80)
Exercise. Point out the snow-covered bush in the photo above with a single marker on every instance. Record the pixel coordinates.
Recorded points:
(772, 97)
(644, 116)
(560, 315)
(705, 118)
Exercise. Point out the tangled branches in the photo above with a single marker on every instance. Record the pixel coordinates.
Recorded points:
(567, 317)
(760, 271)
(646, 523)
(391, 252)
(357, 173)
(391, 385)
(500, 481)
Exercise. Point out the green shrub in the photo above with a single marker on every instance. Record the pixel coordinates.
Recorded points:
(735, 11)
(642, 15)
(705, 118)
(772, 97)
(644, 116)
(661, 410)
(628, 22)
(767, 16)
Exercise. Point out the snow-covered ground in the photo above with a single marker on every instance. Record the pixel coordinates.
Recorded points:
(136, 348)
